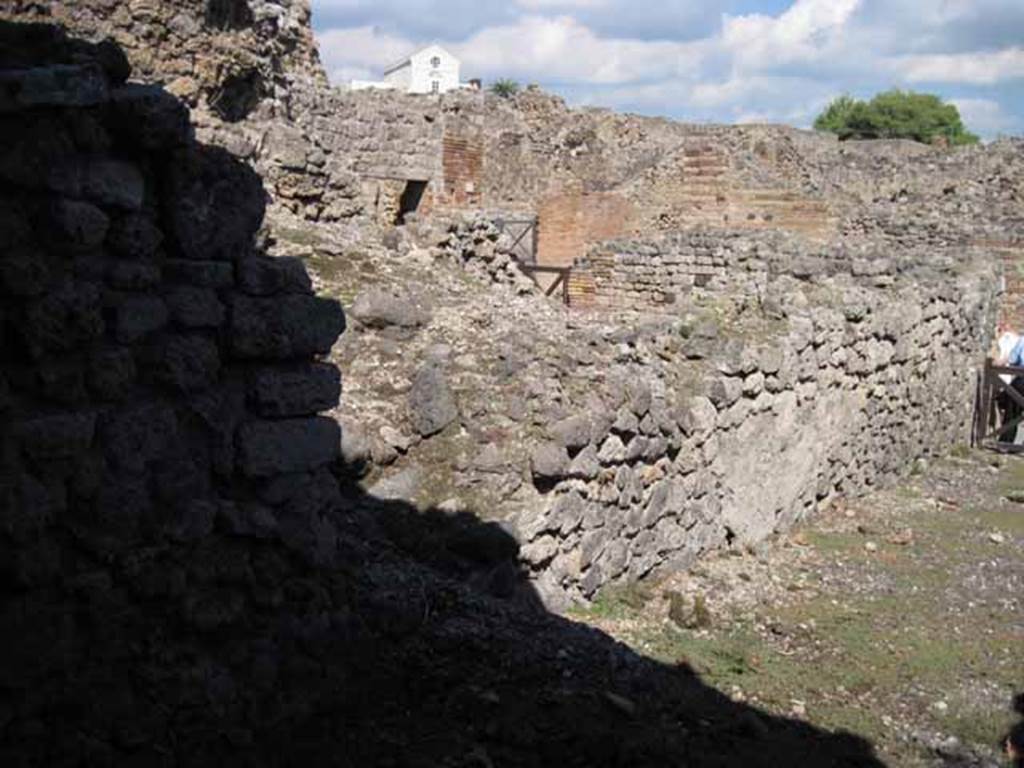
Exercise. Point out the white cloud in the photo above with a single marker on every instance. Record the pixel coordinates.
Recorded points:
(361, 48)
(985, 116)
(539, 5)
(804, 32)
(980, 68)
(677, 58)
(561, 49)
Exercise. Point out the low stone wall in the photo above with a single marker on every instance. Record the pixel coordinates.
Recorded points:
(834, 390)
(654, 274)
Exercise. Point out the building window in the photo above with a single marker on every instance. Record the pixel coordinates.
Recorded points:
(435, 87)
(435, 62)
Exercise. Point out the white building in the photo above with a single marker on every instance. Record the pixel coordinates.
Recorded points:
(430, 70)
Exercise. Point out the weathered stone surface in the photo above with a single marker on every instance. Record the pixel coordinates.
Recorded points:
(298, 391)
(195, 307)
(54, 86)
(549, 461)
(140, 434)
(267, 448)
(66, 318)
(572, 432)
(57, 437)
(204, 274)
(431, 404)
(150, 117)
(112, 373)
(134, 236)
(187, 363)
(139, 316)
(723, 391)
(26, 271)
(214, 205)
(379, 307)
(400, 485)
(112, 183)
(266, 277)
(284, 328)
(74, 225)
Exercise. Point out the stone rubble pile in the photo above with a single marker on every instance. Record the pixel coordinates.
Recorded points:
(477, 245)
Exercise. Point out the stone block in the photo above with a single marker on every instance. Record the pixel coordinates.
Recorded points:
(26, 271)
(266, 276)
(298, 391)
(134, 236)
(138, 317)
(379, 307)
(150, 118)
(195, 307)
(549, 461)
(285, 328)
(133, 275)
(267, 448)
(585, 464)
(572, 432)
(203, 274)
(697, 417)
(723, 391)
(431, 404)
(111, 373)
(186, 363)
(73, 226)
(67, 318)
(102, 181)
(61, 436)
(135, 436)
(213, 205)
(59, 85)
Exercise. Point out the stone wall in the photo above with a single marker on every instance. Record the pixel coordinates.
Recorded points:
(164, 476)
(828, 388)
(232, 58)
(671, 272)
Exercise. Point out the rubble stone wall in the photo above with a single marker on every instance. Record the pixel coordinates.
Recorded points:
(164, 474)
(842, 392)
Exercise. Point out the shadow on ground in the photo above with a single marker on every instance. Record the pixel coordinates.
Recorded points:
(461, 665)
(1015, 738)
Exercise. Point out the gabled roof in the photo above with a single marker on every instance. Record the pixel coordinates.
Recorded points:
(408, 59)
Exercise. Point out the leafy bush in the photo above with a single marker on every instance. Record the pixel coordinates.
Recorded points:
(505, 88)
(895, 114)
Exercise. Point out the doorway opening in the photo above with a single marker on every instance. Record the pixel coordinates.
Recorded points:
(410, 200)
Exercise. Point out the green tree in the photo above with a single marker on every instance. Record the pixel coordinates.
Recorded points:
(505, 88)
(895, 114)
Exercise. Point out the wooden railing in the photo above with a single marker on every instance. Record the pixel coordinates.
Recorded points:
(561, 278)
(523, 234)
(992, 425)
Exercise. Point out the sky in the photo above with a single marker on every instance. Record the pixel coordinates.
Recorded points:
(734, 61)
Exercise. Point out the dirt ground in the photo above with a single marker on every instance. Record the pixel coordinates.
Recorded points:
(896, 617)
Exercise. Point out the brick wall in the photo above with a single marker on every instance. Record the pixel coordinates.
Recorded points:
(645, 275)
(572, 220)
(1011, 310)
(461, 164)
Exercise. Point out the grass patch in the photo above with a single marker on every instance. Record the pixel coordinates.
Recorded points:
(306, 236)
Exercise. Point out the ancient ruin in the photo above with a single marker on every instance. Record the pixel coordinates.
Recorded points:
(759, 321)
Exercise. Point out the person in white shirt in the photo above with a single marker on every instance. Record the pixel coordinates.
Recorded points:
(1011, 353)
